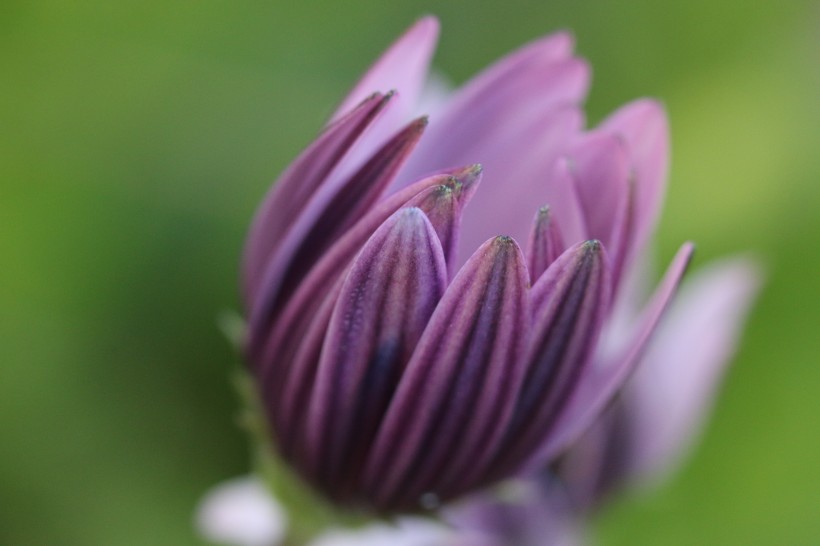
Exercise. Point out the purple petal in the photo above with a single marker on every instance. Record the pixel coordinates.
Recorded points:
(672, 389)
(596, 463)
(540, 72)
(330, 212)
(544, 245)
(286, 388)
(569, 304)
(600, 169)
(604, 377)
(458, 390)
(643, 126)
(402, 67)
(294, 188)
(565, 203)
(387, 298)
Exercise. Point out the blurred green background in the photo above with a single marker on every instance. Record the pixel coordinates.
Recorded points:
(136, 139)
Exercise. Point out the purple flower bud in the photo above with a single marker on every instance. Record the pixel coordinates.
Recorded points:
(406, 350)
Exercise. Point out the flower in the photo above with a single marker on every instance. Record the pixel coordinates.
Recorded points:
(405, 348)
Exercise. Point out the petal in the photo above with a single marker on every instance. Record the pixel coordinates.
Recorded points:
(402, 67)
(565, 202)
(569, 304)
(459, 388)
(544, 245)
(672, 389)
(540, 73)
(601, 170)
(645, 130)
(596, 464)
(294, 188)
(601, 381)
(470, 123)
(241, 512)
(385, 302)
(331, 210)
(403, 531)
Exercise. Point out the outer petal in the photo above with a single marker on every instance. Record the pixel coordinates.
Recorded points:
(643, 126)
(402, 67)
(597, 462)
(400, 532)
(569, 304)
(602, 380)
(331, 210)
(526, 513)
(294, 188)
(671, 392)
(539, 73)
(387, 298)
(241, 512)
(459, 387)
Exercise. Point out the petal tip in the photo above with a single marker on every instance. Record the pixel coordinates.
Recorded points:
(593, 245)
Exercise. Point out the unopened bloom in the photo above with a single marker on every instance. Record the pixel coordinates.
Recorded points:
(406, 350)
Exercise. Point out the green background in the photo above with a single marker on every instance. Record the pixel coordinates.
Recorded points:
(137, 137)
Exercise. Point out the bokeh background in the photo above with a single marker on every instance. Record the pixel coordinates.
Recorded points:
(136, 139)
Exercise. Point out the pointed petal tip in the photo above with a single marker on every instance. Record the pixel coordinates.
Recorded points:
(427, 24)
(409, 214)
(641, 111)
(469, 174)
(689, 249)
(464, 181)
(593, 245)
(503, 241)
(557, 45)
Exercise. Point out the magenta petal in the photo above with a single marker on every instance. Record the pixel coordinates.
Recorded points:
(544, 245)
(387, 298)
(600, 169)
(402, 67)
(539, 74)
(672, 389)
(602, 380)
(330, 212)
(294, 188)
(286, 388)
(644, 127)
(561, 192)
(458, 390)
(569, 304)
